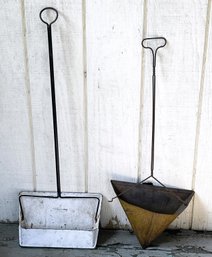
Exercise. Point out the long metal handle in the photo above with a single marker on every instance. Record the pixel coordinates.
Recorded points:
(154, 54)
(54, 109)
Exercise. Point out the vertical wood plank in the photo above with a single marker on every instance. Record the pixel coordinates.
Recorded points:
(68, 64)
(16, 169)
(202, 211)
(178, 80)
(114, 30)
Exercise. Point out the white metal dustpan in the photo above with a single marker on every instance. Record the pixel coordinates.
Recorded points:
(56, 219)
(68, 221)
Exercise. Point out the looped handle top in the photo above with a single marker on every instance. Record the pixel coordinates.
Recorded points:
(154, 52)
(48, 8)
(153, 38)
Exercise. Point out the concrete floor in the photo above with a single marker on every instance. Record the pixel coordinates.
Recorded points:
(115, 244)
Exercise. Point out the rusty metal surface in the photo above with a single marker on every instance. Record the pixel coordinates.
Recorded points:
(153, 198)
(147, 225)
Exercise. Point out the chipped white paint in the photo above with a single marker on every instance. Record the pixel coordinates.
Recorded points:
(103, 86)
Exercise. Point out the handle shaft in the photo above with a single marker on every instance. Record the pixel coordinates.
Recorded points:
(153, 123)
(154, 53)
(54, 110)
(54, 107)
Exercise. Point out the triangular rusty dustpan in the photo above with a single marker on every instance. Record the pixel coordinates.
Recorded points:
(150, 208)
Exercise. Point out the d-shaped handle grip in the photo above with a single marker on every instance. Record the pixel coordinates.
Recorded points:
(154, 51)
(145, 40)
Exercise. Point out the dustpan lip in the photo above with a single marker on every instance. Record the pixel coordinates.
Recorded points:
(147, 186)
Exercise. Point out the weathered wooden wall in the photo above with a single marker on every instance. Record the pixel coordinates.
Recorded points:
(103, 86)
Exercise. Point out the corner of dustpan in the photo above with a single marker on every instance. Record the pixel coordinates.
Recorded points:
(71, 221)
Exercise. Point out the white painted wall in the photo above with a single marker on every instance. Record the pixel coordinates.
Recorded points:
(103, 86)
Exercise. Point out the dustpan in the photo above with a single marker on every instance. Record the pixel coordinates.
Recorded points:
(151, 208)
(57, 219)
